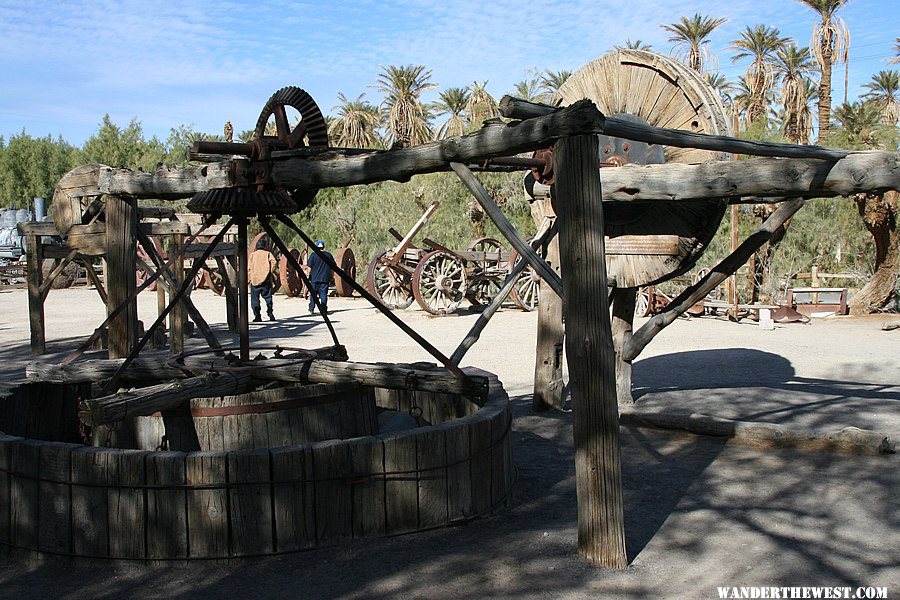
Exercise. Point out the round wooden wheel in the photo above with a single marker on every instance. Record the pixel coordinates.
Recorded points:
(290, 279)
(439, 282)
(487, 272)
(389, 283)
(482, 290)
(642, 303)
(73, 194)
(526, 291)
(658, 90)
(346, 261)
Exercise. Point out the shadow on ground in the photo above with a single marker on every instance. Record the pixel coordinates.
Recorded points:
(752, 385)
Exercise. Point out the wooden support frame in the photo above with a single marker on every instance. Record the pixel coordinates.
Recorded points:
(590, 354)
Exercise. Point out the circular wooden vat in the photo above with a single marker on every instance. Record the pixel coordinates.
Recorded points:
(70, 499)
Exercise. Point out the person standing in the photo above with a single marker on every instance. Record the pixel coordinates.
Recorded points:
(261, 268)
(320, 276)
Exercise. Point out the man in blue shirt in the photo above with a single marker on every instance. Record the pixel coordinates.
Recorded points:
(320, 276)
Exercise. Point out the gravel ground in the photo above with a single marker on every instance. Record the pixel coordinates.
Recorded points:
(700, 512)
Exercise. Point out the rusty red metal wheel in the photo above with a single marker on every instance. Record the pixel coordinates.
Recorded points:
(439, 282)
(211, 280)
(391, 284)
(290, 279)
(346, 261)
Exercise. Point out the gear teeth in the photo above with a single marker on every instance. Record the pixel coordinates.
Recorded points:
(316, 128)
(241, 201)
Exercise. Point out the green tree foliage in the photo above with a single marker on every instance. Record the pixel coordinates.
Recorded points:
(761, 44)
(407, 117)
(452, 106)
(884, 90)
(356, 124)
(123, 147)
(31, 167)
(481, 105)
(633, 45)
(793, 66)
(691, 38)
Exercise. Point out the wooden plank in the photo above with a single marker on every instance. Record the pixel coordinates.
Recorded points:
(54, 516)
(548, 368)
(5, 504)
(661, 245)
(90, 512)
(126, 504)
(24, 494)
(367, 464)
(459, 481)
(121, 218)
(501, 458)
(207, 508)
(481, 462)
(167, 526)
(331, 471)
(293, 489)
(401, 486)
(251, 503)
(431, 463)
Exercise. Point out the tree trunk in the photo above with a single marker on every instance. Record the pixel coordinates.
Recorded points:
(879, 213)
(825, 95)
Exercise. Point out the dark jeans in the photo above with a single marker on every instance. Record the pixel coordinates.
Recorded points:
(321, 289)
(264, 290)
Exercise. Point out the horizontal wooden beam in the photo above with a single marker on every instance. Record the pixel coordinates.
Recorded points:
(166, 183)
(99, 228)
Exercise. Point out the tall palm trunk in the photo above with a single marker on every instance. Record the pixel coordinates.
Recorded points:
(825, 92)
(880, 214)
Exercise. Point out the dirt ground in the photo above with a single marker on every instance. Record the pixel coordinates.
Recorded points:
(700, 512)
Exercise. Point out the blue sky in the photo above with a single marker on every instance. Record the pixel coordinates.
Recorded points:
(202, 62)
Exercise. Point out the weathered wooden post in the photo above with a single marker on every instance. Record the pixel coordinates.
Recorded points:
(243, 286)
(121, 220)
(177, 317)
(34, 275)
(548, 376)
(623, 301)
(590, 353)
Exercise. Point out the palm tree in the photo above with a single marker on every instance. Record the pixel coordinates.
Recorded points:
(692, 36)
(896, 59)
(830, 44)
(481, 105)
(356, 124)
(407, 117)
(793, 66)
(884, 90)
(452, 102)
(859, 122)
(529, 89)
(635, 45)
(551, 81)
(761, 43)
(810, 94)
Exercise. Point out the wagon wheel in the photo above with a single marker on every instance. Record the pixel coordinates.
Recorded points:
(346, 261)
(487, 273)
(439, 282)
(290, 279)
(482, 290)
(309, 130)
(389, 283)
(72, 195)
(276, 281)
(525, 292)
(642, 303)
(652, 88)
(211, 280)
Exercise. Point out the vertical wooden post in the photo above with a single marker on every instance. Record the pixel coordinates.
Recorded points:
(159, 339)
(227, 264)
(732, 289)
(548, 377)
(34, 273)
(121, 219)
(178, 315)
(623, 301)
(590, 353)
(243, 287)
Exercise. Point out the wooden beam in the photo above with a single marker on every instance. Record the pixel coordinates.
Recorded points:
(166, 183)
(590, 354)
(148, 400)
(516, 108)
(121, 218)
(34, 275)
(693, 294)
(623, 301)
(549, 386)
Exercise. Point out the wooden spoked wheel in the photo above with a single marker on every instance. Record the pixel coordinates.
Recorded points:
(487, 272)
(658, 90)
(642, 303)
(346, 261)
(291, 282)
(526, 291)
(391, 284)
(212, 280)
(439, 282)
